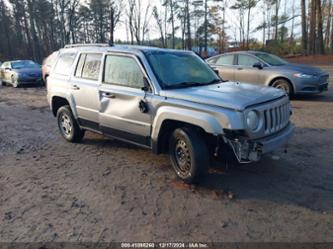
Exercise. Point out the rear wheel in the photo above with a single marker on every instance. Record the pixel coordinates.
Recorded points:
(283, 85)
(68, 126)
(188, 154)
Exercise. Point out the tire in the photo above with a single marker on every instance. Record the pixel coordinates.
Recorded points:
(188, 154)
(14, 81)
(283, 85)
(68, 126)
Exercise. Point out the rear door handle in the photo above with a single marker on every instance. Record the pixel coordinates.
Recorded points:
(108, 95)
(75, 87)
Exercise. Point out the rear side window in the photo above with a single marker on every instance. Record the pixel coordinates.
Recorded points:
(64, 64)
(225, 60)
(89, 66)
(123, 70)
(246, 60)
(51, 59)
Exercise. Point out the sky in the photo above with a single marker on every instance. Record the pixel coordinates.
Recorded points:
(232, 20)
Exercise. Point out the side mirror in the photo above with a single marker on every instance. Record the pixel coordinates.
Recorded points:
(258, 65)
(146, 86)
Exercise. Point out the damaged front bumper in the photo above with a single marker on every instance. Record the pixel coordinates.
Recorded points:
(247, 151)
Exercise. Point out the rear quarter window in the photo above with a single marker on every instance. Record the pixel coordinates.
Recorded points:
(64, 64)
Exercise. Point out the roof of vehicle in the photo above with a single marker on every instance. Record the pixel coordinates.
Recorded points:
(247, 52)
(117, 48)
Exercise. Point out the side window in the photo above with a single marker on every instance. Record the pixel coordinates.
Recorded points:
(225, 60)
(91, 66)
(123, 70)
(64, 64)
(246, 60)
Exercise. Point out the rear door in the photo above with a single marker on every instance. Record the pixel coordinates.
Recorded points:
(245, 72)
(84, 88)
(120, 95)
(225, 65)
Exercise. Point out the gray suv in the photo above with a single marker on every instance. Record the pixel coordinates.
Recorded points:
(267, 69)
(169, 101)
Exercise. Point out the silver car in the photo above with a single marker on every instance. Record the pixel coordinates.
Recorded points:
(169, 101)
(267, 69)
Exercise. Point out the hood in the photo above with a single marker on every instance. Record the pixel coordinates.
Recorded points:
(232, 95)
(28, 70)
(302, 69)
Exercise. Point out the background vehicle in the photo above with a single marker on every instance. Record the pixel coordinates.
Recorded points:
(47, 65)
(270, 70)
(169, 101)
(20, 72)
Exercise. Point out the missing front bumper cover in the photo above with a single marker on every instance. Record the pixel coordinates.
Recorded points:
(246, 151)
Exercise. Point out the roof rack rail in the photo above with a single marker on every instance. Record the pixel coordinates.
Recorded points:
(87, 45)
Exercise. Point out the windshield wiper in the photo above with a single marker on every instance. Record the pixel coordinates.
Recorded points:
(193, 84)
(183, 84)
(214, 81)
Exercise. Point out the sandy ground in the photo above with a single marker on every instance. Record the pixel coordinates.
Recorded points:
(106, 190)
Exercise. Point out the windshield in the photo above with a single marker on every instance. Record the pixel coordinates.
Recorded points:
(272, 60)
(24, 64)
(180, 69)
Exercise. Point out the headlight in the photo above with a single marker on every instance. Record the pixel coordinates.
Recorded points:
(252, 120)
(303, 75)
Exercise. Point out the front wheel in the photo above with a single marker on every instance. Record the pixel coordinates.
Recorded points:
(14, 81)
(68, 126)
(188, 154)
(283, 85)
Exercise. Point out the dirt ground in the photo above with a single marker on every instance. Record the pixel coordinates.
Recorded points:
(107, 190)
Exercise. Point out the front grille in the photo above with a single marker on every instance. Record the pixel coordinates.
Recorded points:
(276, 118)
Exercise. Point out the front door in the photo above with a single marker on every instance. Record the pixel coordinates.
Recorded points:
(245, 72)
(120, 96)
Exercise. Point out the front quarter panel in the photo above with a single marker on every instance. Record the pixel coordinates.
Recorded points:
(211, 119)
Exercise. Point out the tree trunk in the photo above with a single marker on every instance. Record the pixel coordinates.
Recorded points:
(248, 28)
(188, 22)
(331, 42)
(172, 24)
(277, 6)
(35, 41)
(111, 41)
(320, 40)
(206, 28)
(312, 35)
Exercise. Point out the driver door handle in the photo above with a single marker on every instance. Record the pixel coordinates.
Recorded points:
(108, 95)
(75, 87)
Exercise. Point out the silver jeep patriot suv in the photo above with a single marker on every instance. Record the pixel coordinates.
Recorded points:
(169, 101)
